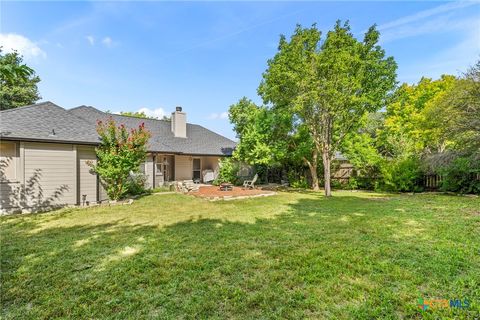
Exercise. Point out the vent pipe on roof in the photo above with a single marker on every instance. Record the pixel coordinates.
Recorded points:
(179, 123)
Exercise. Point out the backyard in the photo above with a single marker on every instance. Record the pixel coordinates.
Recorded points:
(293, 255)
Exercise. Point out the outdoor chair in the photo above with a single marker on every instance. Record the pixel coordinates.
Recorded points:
(250, 184)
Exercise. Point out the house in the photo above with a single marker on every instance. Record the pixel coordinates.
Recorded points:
(45, 151)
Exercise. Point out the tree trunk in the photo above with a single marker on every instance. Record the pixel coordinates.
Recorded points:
(326, 172)
(312, 165)
(314, 174)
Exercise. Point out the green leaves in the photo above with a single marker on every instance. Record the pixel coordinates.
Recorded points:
(327, 87)
(411, 124)
(121, 152)
(18, 82)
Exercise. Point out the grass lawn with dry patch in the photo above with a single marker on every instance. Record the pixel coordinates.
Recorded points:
(294, 255)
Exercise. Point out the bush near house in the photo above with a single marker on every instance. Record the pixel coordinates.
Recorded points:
(120, 154)
(228, 171)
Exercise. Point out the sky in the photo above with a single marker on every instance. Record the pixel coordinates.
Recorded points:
(205, 56)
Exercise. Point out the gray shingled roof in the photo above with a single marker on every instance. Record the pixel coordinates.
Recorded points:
(78, 125)
(46, 122)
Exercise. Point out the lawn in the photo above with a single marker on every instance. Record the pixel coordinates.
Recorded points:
(294, 255)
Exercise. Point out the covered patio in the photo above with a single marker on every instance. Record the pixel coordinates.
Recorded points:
(164, 169)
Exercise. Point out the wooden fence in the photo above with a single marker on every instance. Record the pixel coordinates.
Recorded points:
(432, 181)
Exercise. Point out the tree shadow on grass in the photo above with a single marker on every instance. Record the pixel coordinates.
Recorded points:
(297, 265)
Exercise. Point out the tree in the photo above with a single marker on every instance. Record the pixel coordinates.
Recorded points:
(140, 114)
(359, 147)
(18, 82)
(327, 87)
(120, 153)
(136, 114)
(457, 112)
(253, 126)
(411, 126)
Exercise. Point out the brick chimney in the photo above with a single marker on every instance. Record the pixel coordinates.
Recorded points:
(179, 123)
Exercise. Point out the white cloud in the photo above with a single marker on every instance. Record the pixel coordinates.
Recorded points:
(214, 116)
(26, 47)
(156, 113)
(90, 40)
(108, 42)
(436, 20)
(421, 15)
(440, 24)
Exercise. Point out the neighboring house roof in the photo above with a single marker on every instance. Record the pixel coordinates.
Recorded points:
(36, 122)
(339, 156)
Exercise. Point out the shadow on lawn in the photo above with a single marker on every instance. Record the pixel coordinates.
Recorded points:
(297, 265)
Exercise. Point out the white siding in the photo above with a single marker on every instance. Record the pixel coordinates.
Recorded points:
(10, 175)
(211, 163)
(50, 174)
(183, 168)
(102, 193)
(87, 178)
(149, 171)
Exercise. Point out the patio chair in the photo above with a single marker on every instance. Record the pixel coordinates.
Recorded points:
(250, 184)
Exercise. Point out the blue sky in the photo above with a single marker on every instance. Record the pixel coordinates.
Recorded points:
(204, 56)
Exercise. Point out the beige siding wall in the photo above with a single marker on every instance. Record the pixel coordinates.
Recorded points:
(102, 193)
(210, 163)
(149, 171)
(183, 168)
(87, 178)
(10, 175)
(50, 174)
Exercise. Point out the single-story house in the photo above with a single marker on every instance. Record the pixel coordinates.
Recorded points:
(45, 151)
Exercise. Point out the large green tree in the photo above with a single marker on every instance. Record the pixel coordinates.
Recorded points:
(411, 123)
(457, 112)
(18, 82)
(327, 87)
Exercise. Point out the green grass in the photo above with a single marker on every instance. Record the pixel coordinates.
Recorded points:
(294, 255)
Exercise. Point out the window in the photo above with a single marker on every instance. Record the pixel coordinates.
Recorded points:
(196, 169)
(8, 163)
(159, 170)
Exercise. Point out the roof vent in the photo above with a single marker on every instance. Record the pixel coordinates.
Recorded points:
(52, 133)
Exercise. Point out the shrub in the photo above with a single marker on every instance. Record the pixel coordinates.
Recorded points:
(462, 175)
(402, 175)
(120, 153)
(352, 183)
(136, 183)
(228, 171)
(299, 183)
